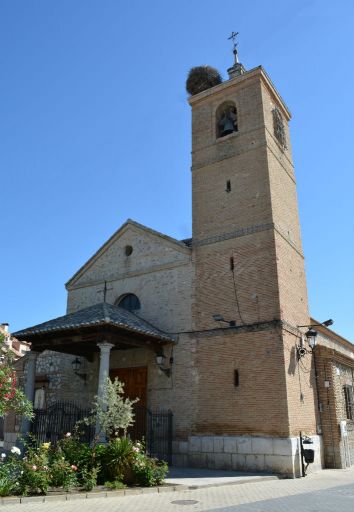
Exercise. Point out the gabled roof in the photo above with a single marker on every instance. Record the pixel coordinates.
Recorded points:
(182, 245)
(331, 334)
(101, 314)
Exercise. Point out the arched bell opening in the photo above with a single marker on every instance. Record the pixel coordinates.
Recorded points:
(226, 119)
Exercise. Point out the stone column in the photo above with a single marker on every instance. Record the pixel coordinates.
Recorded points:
(105, 349)
(29, 387)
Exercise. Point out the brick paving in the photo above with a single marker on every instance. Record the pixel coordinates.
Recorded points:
(325, 491)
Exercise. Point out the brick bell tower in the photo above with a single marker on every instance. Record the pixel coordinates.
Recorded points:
(249, 269)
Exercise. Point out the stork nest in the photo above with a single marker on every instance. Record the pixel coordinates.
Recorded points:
(202, 78)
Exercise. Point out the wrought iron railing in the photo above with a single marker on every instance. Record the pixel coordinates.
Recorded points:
(52, 423)
(154, 428)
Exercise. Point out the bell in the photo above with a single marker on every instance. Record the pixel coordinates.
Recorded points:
(228, 126)
(227, 123)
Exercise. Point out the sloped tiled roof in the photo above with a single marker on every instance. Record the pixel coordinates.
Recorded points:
(188, 242)
(99, 314)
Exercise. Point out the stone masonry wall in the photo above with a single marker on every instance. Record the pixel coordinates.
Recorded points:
(247, 453)
(55, 374)
(158, 271)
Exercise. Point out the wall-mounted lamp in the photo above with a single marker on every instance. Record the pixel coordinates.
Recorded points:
(76, 365)
(160, 361)
(220, 318)
(310, 335)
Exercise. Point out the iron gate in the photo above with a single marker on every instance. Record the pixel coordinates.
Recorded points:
(154, 428)
(61, 417)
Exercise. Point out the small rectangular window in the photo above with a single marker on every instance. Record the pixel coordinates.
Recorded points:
(228, 186)
(348, 397)
(236, 378)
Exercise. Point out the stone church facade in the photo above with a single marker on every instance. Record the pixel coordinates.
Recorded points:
(222, 310)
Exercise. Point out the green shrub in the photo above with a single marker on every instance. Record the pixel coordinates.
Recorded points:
(116, 484)
(33, 480)
(32, 470)
(148, 471)
(72, 463)
(63, 474)
(118, 459)
(88, 477)
(8, 479)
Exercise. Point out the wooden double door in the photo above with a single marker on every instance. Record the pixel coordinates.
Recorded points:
(135, 386)
(135, 382)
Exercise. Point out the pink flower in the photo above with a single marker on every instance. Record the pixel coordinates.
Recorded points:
(136, 449)
(34, 467)
(73, 467)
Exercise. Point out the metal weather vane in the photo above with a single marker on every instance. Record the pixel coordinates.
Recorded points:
(234, 50)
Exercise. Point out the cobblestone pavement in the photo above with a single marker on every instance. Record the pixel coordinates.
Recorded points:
(322, 492)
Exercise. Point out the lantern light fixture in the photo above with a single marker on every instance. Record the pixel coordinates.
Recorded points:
(160, 361)
(76, 365)
(311, 335)
(311, 338)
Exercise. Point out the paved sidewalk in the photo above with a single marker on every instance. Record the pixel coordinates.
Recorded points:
(195, 478)
(326, 491)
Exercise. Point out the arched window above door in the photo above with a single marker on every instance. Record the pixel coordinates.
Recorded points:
(129, 301)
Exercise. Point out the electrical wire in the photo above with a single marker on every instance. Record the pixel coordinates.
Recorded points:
(235, 290)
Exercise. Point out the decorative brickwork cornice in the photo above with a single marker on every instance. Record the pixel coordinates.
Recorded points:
(233, 234)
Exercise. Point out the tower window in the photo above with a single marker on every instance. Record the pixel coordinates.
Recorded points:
(130, 302)
(279, 129)
(226, 119)
(128, 250)
(228, 186)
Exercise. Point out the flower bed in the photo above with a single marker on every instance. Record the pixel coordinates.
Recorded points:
(72, 464)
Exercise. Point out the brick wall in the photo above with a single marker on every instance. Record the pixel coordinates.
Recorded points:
(334, 370)
(256, 224)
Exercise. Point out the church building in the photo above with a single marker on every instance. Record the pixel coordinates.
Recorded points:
(215, 329)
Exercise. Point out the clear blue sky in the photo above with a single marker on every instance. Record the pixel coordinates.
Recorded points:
(95, 128)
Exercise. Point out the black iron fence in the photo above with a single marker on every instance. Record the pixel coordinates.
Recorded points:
(154, 428)
(49, 425)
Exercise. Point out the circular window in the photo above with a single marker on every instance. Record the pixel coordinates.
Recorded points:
(128, 250)
(130, 302)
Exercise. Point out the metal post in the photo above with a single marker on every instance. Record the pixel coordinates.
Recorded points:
(302, 456)
(169, 446)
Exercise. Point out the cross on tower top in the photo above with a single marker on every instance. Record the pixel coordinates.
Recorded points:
(234, 50)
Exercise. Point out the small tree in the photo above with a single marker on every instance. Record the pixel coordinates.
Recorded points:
(112, 411)
(12, 399)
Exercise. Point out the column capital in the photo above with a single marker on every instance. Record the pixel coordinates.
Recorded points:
(105, 347)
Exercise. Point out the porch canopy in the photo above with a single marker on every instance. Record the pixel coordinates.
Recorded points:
(79, 333)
